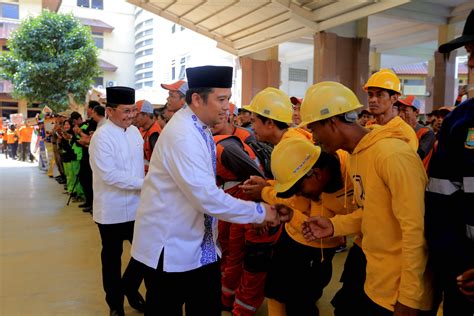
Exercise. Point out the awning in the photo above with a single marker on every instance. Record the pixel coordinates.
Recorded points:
(96, 25)
(244, 27)
(106, 66)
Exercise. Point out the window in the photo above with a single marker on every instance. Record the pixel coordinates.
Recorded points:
(33, 113)
(98, 81)
(144, 33)
(144, 43)
(83, 3)
(9, 104)
(138, 85)
(144, 23)
(148, 84)
(2, 86)
(9, 11)
(145, 52)
(146, 65)
(414, 82)
(182, 28)
(300, 75)
(97, 4)
(147, 74)
(173, 70)
(182, 69)
(138, 12)
(94, 4)
(5, 48)
(98, 38)
(173, 29)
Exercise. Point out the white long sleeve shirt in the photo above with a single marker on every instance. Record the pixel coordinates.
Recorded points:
(180, 200)
(116, 158)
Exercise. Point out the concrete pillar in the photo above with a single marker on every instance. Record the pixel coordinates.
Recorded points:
(342, 59)
(445, 67)
(259, 71)
(23, 108)
(374, 61)
(429, 86)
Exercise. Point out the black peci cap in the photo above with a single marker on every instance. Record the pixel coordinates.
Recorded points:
(466, 37)
(209, 77)
(120, 95)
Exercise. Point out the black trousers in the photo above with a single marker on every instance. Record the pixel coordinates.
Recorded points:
(12, 148)
(297, 277)
(85, 178)
(351, 297)
(25, 152)
(116, 286)
(198, 289)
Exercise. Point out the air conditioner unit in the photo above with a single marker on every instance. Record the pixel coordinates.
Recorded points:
(111, 83)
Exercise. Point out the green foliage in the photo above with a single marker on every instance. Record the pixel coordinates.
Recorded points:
(50, 56)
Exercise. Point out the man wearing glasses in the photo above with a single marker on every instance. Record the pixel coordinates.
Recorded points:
(116, 158)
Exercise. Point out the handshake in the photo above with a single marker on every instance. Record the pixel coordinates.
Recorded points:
(313, 228)
(277, 214)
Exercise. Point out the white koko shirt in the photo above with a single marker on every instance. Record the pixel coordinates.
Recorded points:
(116, 158)
(180, 200)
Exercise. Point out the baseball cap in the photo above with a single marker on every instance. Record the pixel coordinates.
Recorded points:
(295, 100)
(144, 106)
(233, 109)
(181, 86)
(410, 100)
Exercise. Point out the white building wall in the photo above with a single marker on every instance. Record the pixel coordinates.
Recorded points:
(297, 56)
(29, 8)
(178, 48)
(119, 48)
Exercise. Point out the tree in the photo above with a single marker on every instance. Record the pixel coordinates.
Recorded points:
(51, 57)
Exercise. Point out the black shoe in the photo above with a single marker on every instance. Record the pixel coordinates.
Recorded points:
(87, 209)
(84, 205)
(117, 312)
(136, 301)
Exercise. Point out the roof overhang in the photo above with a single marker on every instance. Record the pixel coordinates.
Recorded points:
(106, 66)
(96, 25)
(245, 27)
(51, 5)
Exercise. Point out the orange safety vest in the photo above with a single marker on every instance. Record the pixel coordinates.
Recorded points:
(224, 174)
(25, 134)
(242, 133)
(419, 134)
(11, 137)
(154, 128)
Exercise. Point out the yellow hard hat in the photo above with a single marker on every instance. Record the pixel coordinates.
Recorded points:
(291, 160)
(272, 103)
(327, 99)
(385, 79)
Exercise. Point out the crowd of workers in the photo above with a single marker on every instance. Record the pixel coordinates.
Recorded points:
(227, 206)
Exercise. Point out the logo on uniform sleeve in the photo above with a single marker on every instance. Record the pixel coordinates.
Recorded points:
(470, 139)
(359, 187)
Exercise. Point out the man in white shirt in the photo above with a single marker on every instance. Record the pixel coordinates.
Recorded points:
(176, 227)
(116, 158)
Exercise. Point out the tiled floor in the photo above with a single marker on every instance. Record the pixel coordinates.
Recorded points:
(50, 252)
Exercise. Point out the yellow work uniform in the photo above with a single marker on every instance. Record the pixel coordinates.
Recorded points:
(389, 184)
(329, 205)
